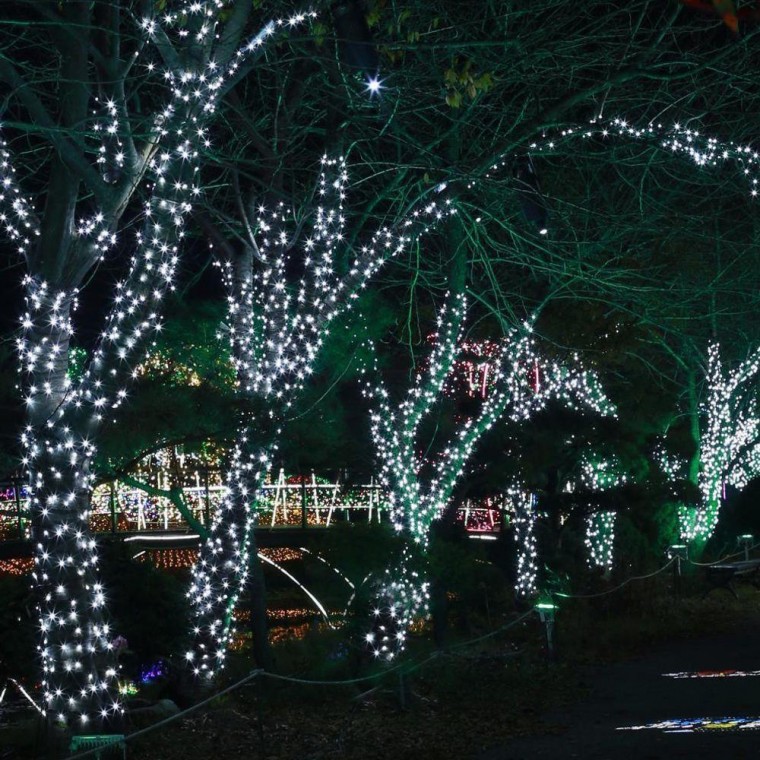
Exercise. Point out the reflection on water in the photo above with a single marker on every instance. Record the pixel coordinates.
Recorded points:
(179, 559)
(16, 704)
(695, 725)
(15, 709)
(714, 674)
(291, 624)
(16, 566)
(163, 558)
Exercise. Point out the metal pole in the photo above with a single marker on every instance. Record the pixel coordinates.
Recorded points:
(546, 616)
(677, 576)
(18, 508)
(746, 540)
(113, 507)
(207, 506)
(303, 502)
(550, 637)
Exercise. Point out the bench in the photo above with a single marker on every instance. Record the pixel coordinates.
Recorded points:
(723, 574)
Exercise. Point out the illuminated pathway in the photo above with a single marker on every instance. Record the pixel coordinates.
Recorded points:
(696, 699)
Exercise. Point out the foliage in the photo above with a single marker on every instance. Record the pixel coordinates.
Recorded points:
(184, 392)
(148, 607)
(17, 632)
(646, 253)
(328, 428)
(360, 549)
(11, 413)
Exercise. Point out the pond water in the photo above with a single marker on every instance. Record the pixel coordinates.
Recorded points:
(14, 708)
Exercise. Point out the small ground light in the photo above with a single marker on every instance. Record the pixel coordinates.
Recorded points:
(746, 541)
(546, 612)
(679, 552)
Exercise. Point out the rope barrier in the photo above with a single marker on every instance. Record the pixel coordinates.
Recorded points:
(253, 674)
(492, 633)
(346, 682)
(723, 559)
(405, 667)
(617, 588)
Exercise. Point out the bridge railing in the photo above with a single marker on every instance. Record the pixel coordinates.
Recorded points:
(295, 501)
(303, 501)
(14, 510)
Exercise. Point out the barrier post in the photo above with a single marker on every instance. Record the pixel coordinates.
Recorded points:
(207, 503)
(679, 552)
(403, 688)
(745, 541)
(303, 502)
(112, 500)
(546, 611)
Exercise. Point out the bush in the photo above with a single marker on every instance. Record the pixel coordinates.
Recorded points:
(17, 629)
(148, 607)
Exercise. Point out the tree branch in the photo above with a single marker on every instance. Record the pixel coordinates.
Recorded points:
(68, 150)
(177, 498)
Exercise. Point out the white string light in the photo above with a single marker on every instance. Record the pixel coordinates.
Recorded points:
(601, 474)
(76, 649)
(703, 150)
(60, 443)
(730, 446)
(523, 384)
(526, 516)
(277, 330)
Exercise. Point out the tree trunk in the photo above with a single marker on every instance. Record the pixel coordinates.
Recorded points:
(694, 430)
(229, 562)
(228, 559)
(257, 606)
(75, 649)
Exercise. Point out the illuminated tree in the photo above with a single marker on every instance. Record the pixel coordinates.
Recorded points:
(106, 153)
(420, 488)
(278, 323)
(113, 129)
(729, 450)
(677, 306)
(599, 474)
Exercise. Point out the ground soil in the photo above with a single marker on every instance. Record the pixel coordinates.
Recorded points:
(507, 700)
(504, 698)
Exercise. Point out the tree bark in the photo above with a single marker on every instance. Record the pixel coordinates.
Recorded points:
(75, 637)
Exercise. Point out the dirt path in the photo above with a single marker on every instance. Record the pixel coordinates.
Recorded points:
(636, 693)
